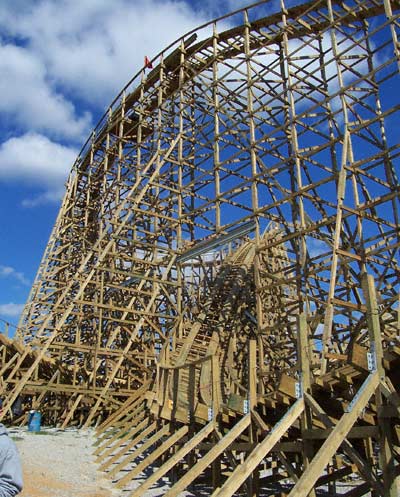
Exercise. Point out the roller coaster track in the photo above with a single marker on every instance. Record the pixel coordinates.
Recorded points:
(220, 291)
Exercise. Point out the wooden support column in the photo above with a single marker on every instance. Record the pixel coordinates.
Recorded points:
(253, 481)
(172, 461)
(252, 374)
(365, 469)
(391, 482)
(207, 459)
(304, 356)
(215, 378)
(155, 454)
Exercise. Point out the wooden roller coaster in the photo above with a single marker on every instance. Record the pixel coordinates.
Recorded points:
(220, 292)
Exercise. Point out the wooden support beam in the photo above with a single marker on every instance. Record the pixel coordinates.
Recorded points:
(147, 443)
(391, 481)
(138, 415)
(335, 439)
(172, 461)
(242, 472)
(364, 468)
(122, 448)
(131, 402)
(208, 458)
(154, 455)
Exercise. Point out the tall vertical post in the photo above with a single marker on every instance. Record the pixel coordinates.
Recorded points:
(253, 484)
(304, 369)
(391, 483)
(215, 378)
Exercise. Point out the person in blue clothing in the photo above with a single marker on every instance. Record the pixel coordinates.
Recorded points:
(10, 464)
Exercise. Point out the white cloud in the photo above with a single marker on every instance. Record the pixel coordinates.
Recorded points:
(84, 52)
(43, 198)
(8, 271)
(34, 159)
(29, 100)
(92, 49)
(11, 309)
(212, 9)
(63, 55)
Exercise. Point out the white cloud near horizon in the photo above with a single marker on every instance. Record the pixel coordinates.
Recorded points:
(36, 160)
(11, 309)
(48, 197)
(10, 272)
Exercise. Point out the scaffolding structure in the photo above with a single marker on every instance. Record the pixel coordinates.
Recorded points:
(220, 292)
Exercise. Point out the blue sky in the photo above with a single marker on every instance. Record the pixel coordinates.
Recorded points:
(61, 64)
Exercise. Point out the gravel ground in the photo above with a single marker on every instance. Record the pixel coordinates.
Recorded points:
(60, 464)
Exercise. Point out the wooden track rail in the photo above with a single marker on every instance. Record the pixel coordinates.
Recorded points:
(220, 292)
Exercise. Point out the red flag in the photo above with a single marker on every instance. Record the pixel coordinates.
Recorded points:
(147, 62)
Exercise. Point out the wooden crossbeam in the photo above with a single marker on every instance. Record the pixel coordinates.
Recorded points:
(123, 414)
(138, 415)
(122, 435)
(135, 434)
(126, 407)
(45, 346)
(363, 467)
(147, 442)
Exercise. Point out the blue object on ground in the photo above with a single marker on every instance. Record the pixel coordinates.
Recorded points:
(34, 421)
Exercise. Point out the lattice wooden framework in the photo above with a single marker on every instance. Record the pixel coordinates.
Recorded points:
(223, 277)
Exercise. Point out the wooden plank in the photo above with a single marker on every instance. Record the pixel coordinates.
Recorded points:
(391, 480)
(252, 354)
(364, 468)
(305, 358)
(124, 433)
(359, 490)
(355, 432)
(124, 449)
(127, 406)
(358, 356)
(287, 385)
(132, 420)
(71, 411)
(236, 402)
